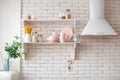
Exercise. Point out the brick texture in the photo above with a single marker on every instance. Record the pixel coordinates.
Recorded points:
(96, 58)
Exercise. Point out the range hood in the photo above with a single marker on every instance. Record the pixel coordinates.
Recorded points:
(97, 25)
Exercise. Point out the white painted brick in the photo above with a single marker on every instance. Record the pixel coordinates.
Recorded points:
(83, 71)
(84, 78)
(96, 58)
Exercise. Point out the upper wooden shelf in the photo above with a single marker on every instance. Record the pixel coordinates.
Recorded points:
(32, 20)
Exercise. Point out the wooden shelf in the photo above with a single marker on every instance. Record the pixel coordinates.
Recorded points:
(50, 43)
(32, 20)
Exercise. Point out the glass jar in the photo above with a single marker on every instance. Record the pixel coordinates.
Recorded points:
(62, 14)
(68, 14)
(28, 16)
(39, 37)
(75, 37)
(34, 37)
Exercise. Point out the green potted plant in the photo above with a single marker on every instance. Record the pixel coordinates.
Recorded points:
(13, 50)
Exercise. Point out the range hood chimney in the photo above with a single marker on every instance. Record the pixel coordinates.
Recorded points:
(97, 25)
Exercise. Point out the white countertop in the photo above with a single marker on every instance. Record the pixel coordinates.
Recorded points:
(8, 75)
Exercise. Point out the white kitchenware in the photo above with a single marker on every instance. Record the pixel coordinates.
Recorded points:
(27, 38)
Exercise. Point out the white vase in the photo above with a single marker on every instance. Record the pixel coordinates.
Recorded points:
(27, 38)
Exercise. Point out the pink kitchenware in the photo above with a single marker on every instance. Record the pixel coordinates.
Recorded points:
(53, 38)
(68, 32)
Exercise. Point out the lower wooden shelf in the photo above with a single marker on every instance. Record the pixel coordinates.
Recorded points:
(50, 43)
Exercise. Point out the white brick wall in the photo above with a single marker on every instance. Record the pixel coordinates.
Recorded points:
(97, 58)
